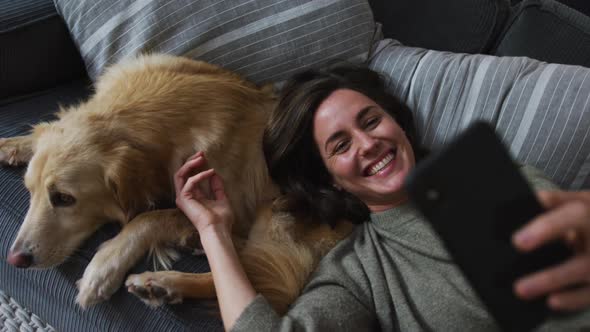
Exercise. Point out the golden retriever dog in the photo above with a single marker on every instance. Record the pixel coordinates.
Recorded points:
(113, 157)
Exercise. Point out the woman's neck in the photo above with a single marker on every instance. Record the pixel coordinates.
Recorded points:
(380, 207)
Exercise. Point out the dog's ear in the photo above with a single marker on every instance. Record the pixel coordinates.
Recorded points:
(124, 178)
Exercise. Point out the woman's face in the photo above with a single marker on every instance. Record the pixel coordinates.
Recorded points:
(363, 148)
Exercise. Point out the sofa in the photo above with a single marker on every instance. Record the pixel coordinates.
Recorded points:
(520, 65)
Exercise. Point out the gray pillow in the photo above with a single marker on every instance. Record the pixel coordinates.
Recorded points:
(541, 110)
(265, 40)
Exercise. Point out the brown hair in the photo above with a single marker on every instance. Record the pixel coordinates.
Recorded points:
(291, 153)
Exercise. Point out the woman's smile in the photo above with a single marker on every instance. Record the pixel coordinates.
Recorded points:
(383, 166)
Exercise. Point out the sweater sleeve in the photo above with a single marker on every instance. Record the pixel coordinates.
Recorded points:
(537, 179)
(325, 308)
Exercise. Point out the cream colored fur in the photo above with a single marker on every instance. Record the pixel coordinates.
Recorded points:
(117, 153)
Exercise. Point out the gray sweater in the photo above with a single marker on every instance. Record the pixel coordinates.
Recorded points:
(391, 274)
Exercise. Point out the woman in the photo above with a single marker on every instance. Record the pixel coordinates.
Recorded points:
(358, 145)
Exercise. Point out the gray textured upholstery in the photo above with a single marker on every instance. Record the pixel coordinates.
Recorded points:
(469, 26)
(36, 51)
(548, 31)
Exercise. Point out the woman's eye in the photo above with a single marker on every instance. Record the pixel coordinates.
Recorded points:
(61, 200)
(372, 122)
(340, 147)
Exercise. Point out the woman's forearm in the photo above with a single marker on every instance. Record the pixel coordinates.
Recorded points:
(234, 290)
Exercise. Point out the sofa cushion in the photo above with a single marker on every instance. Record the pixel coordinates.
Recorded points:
(264, 40)
(540, 110)
(469, 26)
(549, 31)
(36, 50)
(51, 293)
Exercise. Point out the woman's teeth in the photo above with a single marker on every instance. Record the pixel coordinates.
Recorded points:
(380, 165)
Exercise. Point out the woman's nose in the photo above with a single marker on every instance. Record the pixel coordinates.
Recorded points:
(367, 144)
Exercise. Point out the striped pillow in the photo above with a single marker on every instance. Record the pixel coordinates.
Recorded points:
(541, 110)
(265, 40)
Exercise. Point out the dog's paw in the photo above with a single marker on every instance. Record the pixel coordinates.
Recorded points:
(90, 293)
(15, 151)
(153, 288)
(97, 286)
(102, 278)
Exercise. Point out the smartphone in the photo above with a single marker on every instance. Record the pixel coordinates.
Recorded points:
(475, 197)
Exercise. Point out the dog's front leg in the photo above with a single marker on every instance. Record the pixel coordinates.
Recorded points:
(107, 270)
(158, 288)
(15, 151)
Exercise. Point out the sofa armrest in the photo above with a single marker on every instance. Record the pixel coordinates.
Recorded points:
(36, 50)
(546, 30)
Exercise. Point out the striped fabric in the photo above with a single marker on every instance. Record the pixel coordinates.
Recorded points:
(265, 40)
(18, 14)
(541, 110)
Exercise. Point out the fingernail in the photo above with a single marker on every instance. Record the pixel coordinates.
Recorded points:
(523, 239)
(524, 288)
(554, 302)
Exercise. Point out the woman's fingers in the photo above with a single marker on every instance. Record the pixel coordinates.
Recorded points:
(553, 225)
(192, 184)
(570, 300)
(196, 155)
(194, 162)
(567, 219)
(574, 271)
(551, 199)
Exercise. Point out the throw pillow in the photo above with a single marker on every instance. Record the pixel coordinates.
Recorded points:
(540, 110)
(265, 40)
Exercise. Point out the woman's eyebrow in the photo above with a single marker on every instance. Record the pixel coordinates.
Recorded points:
(363, 112)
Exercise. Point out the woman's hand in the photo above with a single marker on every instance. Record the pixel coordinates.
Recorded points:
(207, 209)
(210, 212)
(567, 284)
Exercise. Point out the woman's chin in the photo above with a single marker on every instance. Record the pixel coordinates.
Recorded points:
(394, 183)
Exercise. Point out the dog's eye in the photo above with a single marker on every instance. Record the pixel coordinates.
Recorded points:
(61, 199)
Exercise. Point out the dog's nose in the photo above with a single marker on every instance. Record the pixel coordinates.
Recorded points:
(20, 259)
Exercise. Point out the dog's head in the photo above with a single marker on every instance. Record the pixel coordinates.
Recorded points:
(79, 178)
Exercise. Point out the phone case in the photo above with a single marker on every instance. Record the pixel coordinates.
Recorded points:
(476, 198)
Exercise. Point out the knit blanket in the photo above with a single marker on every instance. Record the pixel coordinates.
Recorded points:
(15, 318)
